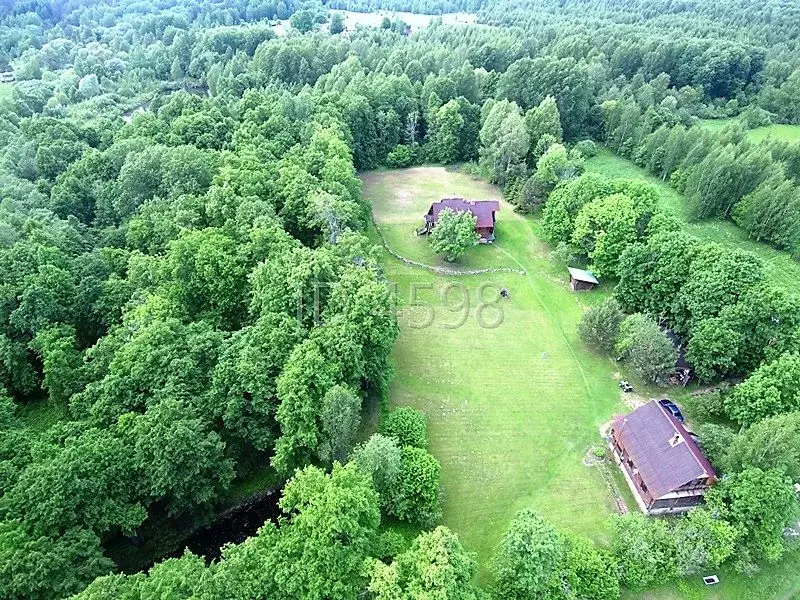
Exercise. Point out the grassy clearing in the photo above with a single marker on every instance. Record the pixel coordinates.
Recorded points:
(513, 408)
(781, 267)
(788, 133)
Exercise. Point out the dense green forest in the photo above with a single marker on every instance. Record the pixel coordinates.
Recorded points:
(189, 296)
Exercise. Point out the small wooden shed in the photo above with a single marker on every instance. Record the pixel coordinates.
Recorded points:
(581, 280)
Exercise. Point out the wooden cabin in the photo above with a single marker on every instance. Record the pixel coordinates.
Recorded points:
(581, 280)
(484, 211)
(662, 463)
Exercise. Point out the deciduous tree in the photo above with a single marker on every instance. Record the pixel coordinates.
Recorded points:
(454, 233)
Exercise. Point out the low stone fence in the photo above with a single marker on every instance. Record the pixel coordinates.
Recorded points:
(443, 270)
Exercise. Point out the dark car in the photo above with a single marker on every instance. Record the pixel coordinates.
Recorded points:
(672, 408)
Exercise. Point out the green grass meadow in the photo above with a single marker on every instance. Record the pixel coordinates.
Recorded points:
(787, 133)
(513, 399)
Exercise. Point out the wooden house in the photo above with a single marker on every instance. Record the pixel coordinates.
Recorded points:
(581, 280)
(484, 211)
(662, 463)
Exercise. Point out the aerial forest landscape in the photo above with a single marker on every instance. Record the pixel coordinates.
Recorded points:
(399, 300)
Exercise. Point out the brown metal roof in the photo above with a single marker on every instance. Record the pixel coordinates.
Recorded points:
(482, 209)
(645, 435)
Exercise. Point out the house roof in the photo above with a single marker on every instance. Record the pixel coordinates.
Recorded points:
(582, 275)
(647, 434)
(482, 209)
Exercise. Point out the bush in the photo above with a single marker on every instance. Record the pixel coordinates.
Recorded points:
(408, 426)
(599, 326)
(529, 558)
(400, 158)
(648, 351)
(716, 440)
(513, 190)
(645, 551)
(418, 499)
(587, 148)
(755, 116)
(589, 571)
(562, 255)
(709, 405)
(380, 456)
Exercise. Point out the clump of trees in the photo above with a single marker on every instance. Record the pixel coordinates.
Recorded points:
(533, 559)
(636, 339)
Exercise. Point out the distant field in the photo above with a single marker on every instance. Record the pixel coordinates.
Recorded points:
(416, 21)
(781, 268)
(512, 409)
(789, 133)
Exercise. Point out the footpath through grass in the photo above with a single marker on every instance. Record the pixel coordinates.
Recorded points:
(513, 399)
(779, 266)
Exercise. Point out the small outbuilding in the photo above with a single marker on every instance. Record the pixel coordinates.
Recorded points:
(581, 280)
(661, 461)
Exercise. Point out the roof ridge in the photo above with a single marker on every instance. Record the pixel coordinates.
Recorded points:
(681, 431)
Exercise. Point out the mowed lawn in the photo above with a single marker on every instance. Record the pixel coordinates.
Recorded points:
(779, 265)
(513, 399)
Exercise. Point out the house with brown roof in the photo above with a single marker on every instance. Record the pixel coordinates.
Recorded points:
(483, 210)
(662, 463)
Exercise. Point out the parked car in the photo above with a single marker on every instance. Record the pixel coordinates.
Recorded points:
(672, 408)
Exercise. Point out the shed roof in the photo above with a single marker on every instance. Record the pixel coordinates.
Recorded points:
(582, 275)
(482, 209)
(664, 467)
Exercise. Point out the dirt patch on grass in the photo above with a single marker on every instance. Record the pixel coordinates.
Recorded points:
(632, 400)
(403, 197)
